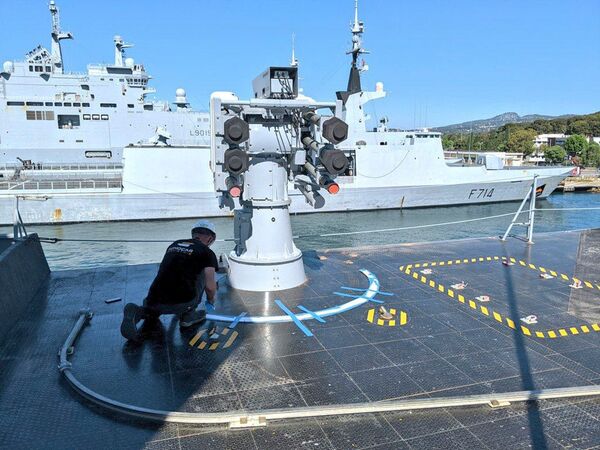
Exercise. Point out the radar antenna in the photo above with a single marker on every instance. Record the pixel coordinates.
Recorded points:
(357, 29)
(120, 46)
(57, 36)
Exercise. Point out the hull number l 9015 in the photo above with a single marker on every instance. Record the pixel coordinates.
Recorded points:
(481, 193)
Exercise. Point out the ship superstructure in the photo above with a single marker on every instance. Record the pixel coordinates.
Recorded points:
(169, 174)
(49, 115)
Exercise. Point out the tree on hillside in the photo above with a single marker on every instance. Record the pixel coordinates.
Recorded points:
(447, 142)
(592, 155)
(576, 145)
(520, 141)
(579, 127)
(555, 154)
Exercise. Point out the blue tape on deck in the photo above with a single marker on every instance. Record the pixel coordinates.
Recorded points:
(297, 321)
(312, 313)
(367, 290)
(236, 320)
(341, 294)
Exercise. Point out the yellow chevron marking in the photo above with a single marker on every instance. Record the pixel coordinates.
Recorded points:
(563, 332)
(432, 283)
(202, 345)
(225, 331)
(574, 330)
(450, 293)
(481, 258)
(434, 264)
(417, 265)
(510, 323)
(523, 263)
(403, 318)
(231, 339)
(542, 269)
(513, 260)
(540, 334)
(195, 339)
(370, 315)
(525, 330)
(380, 322)
(442, 263)
(588, 284)
(472, 304)
(392, 311)
(553, 273)
(585, 329)
(552, 334)
(488, 258)
(213, 346)
(484, 310)
(496, 258)
(441, 288)
(465, 261)
(497, 316)
(564, 277)
(392, 323)
(425, 264)
(458, 261)
(532, 266)
(450, 263)
(415, 275)
(423, 280)
(401, 268)
(596, 327)
(461, 298)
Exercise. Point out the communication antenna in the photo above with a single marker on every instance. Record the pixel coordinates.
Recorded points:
(293, 61)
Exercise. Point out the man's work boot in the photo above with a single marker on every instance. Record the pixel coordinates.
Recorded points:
(132, 314)
(192, 318)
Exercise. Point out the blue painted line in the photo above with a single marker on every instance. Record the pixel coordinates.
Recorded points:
(367, 290)
(341, 294)
(236, 320)
(297, 321)
(312, 313)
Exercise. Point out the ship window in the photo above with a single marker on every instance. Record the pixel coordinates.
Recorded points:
(98, 154)
(15, 103)
(85, 87)
(121, 79)
(39, 115)
(101, 79)
(77, 104)
(68, 121)
(39, 69)
(383, 143)
(67, 104)
(86, 117)
(49, 115)
(104, 116)
(108, 105)
(80, 141)
(149, 107)
(31, 68)
(130, 105)
(48, 103)
(48, 69)
(35, 104)
(85, 105)
(57, 103)
(30, 115)
(95, 116)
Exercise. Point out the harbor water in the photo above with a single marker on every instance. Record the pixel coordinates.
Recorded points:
(85, 251)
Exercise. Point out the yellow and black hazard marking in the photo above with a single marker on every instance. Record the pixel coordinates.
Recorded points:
(488, 311)
(400, 319)
(504, 259)
(204, 343)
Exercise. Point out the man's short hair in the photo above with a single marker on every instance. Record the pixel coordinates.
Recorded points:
(203, 232)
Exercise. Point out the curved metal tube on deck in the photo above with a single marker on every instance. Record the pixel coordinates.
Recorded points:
(242, 418)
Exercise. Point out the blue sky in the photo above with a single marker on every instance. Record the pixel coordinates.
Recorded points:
(441, 61)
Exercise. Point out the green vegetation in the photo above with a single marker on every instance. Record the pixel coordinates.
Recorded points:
(518, 137)
(592, 155)
(555, 154)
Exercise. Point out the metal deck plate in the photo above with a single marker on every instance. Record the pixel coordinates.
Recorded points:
(443, 341)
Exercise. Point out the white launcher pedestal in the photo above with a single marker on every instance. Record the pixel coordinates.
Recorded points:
(265, 258)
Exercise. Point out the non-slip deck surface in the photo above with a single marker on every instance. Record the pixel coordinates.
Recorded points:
(442, 341)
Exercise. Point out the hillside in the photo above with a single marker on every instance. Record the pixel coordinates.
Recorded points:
(482, 125)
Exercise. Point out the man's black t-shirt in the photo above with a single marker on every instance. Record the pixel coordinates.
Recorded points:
(179, 270)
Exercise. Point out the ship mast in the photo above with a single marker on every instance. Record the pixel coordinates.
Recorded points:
(293, 60)
(357, 29)
(120, 47)
(57, 36)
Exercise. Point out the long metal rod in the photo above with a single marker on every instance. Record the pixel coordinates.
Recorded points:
(531, 191)
(532, 211)
(242, 418)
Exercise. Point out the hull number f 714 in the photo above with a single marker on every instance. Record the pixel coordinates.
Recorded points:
(481, 193)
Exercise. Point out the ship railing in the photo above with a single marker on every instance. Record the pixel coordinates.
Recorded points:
(62, 166)
(14, 187)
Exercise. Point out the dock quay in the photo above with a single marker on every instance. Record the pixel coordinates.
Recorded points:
(472, 329)
(587, 181)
